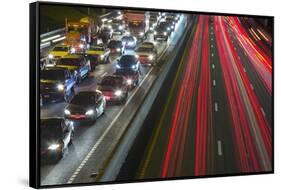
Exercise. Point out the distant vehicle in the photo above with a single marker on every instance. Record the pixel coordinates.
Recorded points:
(147, 53)
(128, 62)
(114, 88)
(58, 52)
(154, 18)
(116, 47)
(56, 84)
(85, 106)
(106, 34)
(172, 17)
(137, 23)
(129, 42)
(97, 54)
(168, 26)
(131, 76)
(161, 33)
(118, 26)
(79, 66)
(56, 135)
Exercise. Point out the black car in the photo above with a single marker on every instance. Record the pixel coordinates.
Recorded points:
(78, 65)
(114, 88)
(116, 47)
(168, 25)
(161, 33)
(56, 84)
(56, 135)
(129, 42)
(130, 62)
(118, 26)
(131, 76)
(85, 106)
(106, 34)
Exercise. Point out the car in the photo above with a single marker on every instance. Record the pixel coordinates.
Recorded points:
(58, 52)
(168, 26)
(131, 76)
(97, 54)
(147, 53)
(161, 33)
(56, 84)
(79, 66)
(153, 20)
(114, 88)
(172, 17)
(129, 42)
(106, 34)
(56, 135)
(85, 106)
(118, 26)
(128, 61)
(116, 47)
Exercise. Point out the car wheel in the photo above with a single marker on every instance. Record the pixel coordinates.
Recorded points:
(71, 138)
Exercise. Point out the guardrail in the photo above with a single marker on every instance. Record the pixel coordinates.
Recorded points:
(55, 36)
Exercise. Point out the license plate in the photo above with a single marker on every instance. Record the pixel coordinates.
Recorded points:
(78, 116)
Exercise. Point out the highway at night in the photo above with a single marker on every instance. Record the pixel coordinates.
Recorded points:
(202, 104)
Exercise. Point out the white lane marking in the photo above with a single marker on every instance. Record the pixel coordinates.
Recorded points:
(262, 111)
(212, 45)
(73, 176)
(214, 82)
(105, 73)
(213, 66)
(216, 107)
(212, 39)
(252, 87)
(212, 54)
(219, 148)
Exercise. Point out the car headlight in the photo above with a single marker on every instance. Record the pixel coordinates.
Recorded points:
(134, 66)
(109, 26)
(60, 87)
(53, 146)
(141, 33)
(168, 28)
(120, 27)
(155, 33)
(118, 66)
(137, 56)
(150, 57)
(66, 112)
(72, 50)
(123, 43)
(101, 56)
(118, 92)
(165, 33)
(129, 81)
(81, 45)
(50, 56)
(89, 112)
(118, 49)
(172, 27)
(150, 28)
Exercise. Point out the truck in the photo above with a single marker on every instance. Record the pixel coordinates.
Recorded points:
(80, 33)
(137, 23)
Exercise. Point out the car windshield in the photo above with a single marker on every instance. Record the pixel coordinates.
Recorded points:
(68, 61)
(52, 75)
(60, 48)
(51, 129)
(96, 48)
(144, 49)
(111, 81)
(127, 60)
(126, 72)
(83, 99)
(114, 44)
(106, 29)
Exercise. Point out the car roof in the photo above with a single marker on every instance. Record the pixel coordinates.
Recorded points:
(147, 44)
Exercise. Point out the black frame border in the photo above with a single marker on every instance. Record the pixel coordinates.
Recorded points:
(34, 91)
